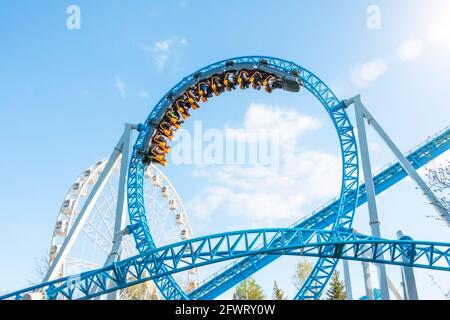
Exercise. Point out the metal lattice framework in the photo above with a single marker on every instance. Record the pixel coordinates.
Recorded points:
(326, 233)
(334, 107)
(211, 249)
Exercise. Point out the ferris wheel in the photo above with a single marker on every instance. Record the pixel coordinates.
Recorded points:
(170, 224)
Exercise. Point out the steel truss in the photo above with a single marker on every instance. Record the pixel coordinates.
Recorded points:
(211, 249)
(333, 106)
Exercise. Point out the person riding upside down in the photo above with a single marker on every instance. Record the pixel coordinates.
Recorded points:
(204, 90)
(157, 154)
(193, 98)
(256, 80)
(216, 85)
(166, 129)
(158, 139)
(183, 107)
(174, 118)
(229, 81)
(243, 79)
(269, 83)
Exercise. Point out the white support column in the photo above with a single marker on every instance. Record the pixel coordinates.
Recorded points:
(347, 279)
(409, 280)
(394, 290)
(121, 209)
(367, 280)
(85, 212)
(412, 173)
(370, 189)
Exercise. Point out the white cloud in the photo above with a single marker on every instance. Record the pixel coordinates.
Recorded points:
(410, 49)
(120, 86)
(259, 195)
(365, 73)
(163, 49)
(372, 70)
(290, 123)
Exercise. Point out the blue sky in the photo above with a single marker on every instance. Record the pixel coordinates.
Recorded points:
(65, 95)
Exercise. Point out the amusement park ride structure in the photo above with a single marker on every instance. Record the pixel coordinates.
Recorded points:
(326, 234)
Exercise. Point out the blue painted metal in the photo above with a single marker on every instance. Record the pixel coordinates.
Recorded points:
(335, 108)
(323, 218)
(376, 295)
(211, 249)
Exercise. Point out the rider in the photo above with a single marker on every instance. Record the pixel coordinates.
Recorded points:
(174, 118)
(183, 107)
(158, 139)
(269, 83)
(204, 90)
(229, 81)
(216, 85)
(157, 154)
(243, 79)
(193, 98)
(166, 129)
(256, 80)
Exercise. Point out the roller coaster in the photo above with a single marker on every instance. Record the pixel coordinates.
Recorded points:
(326, 234)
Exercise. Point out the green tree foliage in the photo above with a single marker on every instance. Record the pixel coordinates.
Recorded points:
(248, 290)
(302, 271)
(278, 294)
(337, 288)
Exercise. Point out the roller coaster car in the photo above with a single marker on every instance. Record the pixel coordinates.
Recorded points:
(256, 80)
(166, 129)
(183, 108)
(229, 81)
(243, 79)
(173, 118)
(157, 154)
(193, 99)
(290, 83)
(204, 90)
(160, 141)
(216, 85)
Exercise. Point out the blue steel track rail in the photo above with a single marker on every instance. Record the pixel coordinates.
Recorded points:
(334, 107)
(211, 249)
(323, 217)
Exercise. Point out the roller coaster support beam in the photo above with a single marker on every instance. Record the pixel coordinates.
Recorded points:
(85, 211)
(222, 247)
(348, 281)
(370, 190)
(368, 280)
(434, 201)
(409, 280)
(121, 209)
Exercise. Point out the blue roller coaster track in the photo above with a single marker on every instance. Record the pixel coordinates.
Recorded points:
(325, 234)
(334, 107)
(211, 249)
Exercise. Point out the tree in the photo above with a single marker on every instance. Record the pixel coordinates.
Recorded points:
(40, 269)
(439, 180)
(337, 288)
(248, 290)
(302, 271)
(277, 293)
